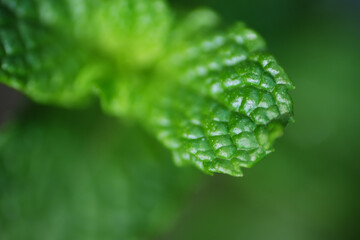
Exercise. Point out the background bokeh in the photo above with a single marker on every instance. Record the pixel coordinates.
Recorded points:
(309, 188)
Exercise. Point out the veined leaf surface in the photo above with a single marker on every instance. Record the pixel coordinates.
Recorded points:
(217, 99)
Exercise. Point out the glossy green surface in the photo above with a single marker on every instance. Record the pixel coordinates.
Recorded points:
(217, 100)
(228, 104)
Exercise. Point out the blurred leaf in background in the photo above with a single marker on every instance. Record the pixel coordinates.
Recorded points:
(81, 175)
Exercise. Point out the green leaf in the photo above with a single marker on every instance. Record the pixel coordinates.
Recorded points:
(217, 100)
(60, 51)
(227, 105)
(80, 175)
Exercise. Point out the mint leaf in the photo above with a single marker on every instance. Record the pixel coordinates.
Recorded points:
(228, 105)
(40, 62)
(60, 51)
(217, 100)
(79, 174)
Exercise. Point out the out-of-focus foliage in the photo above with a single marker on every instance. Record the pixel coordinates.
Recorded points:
(80, 175)
(58, 51)
(218, 101)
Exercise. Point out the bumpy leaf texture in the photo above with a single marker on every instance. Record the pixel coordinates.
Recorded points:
(59, 181)
(230, 103)
(217, 99)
